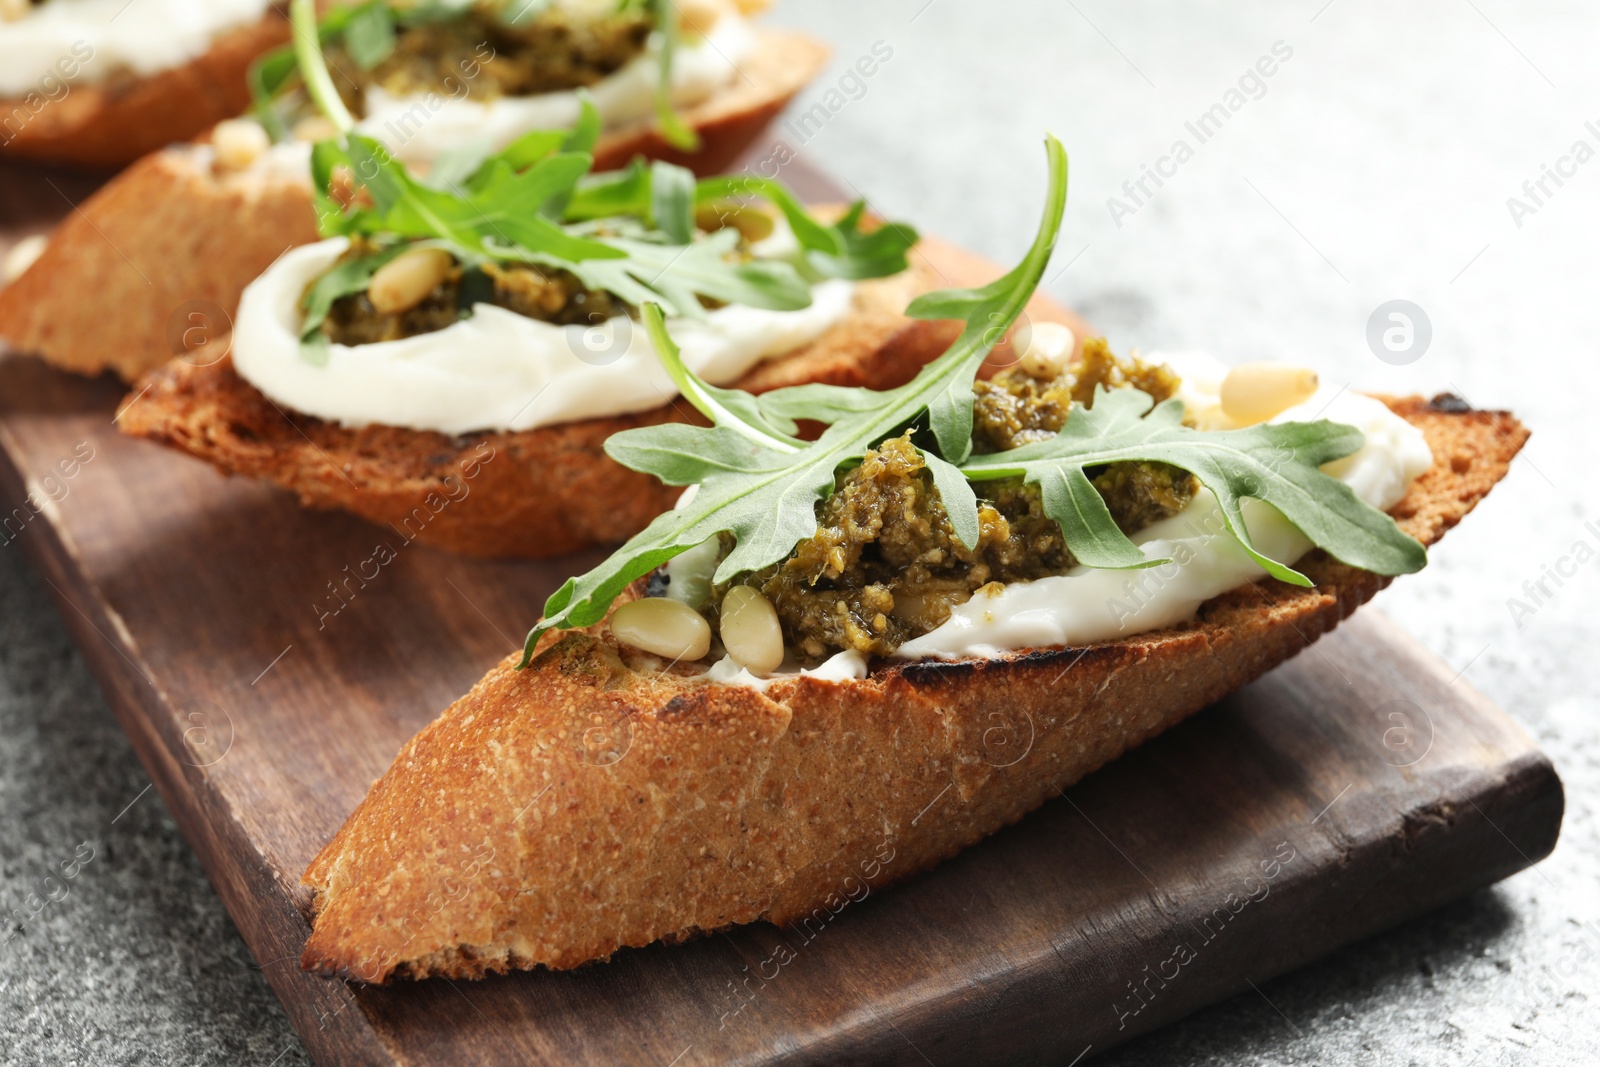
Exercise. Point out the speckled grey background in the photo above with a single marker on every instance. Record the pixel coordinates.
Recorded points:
(1376, 164)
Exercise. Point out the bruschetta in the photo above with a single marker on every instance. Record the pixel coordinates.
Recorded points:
(169, 245)
(842, 659)
(99, 83)
(690, 81)
(451, 361)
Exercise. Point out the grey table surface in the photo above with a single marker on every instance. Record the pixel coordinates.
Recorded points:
(1376, 163)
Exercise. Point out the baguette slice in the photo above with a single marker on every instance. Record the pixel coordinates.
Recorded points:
(169, 238)
(554, 815)
(530, 493)
(173, 235)
(113, 124)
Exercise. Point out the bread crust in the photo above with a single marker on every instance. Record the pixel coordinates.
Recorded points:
(530, 493)
(168, 238)
(113, 123)
(554, 815)
(172, 232)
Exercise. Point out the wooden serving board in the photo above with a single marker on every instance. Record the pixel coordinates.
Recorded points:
(1355, 786)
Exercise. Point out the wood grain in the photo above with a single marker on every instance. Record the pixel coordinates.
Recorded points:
(263, 704)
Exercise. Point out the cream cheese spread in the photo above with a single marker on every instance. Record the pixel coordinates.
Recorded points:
(86, 41)
(420, 128)
(1087, 605)
(496, 369)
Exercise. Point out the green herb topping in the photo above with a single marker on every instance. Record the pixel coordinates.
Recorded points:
(761, 484)
(649, 233)
(481, 52)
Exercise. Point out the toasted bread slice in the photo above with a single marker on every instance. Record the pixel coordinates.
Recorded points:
(124, 276)
(114, 123)
(173, 235)
(531, 493)
(554, 815)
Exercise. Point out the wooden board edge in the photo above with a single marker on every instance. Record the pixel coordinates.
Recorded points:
(1516, 820)
(317, 1008)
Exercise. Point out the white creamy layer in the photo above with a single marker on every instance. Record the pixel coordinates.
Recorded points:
(420, 128)
(289, 161)
(1087, 605)
(840, 667)
(88, 40)
(498, 370)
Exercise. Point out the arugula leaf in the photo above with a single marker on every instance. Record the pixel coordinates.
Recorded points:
(458, 166)
(678, 134)
(501, 214)
(271, 75)
(333, 220)
(370, 35)
(528, 202)
(676, 275)
(862, 254)
(585, 134)
(313, 69)
(499, 217)
(838, 251)
(672, 201)
(957, 495)
(734, 409)
(818, 401)
(505, 197)
(266, 78)
(528, 149)
(626, 193)
(1274, 463)
(762, 485)
(535, 145)
(408, 207)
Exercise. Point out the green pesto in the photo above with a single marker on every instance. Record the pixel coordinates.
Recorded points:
(885, 565)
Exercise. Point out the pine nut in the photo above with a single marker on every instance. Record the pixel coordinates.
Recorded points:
(750, 630)
(1255, 392)
(239, 143)
(753, 223)
(14, 10)
(751, 7)
(315, 128)
(699, 16)
(662, 627)
(1049, 349)
(404, 282)
(22, 255)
